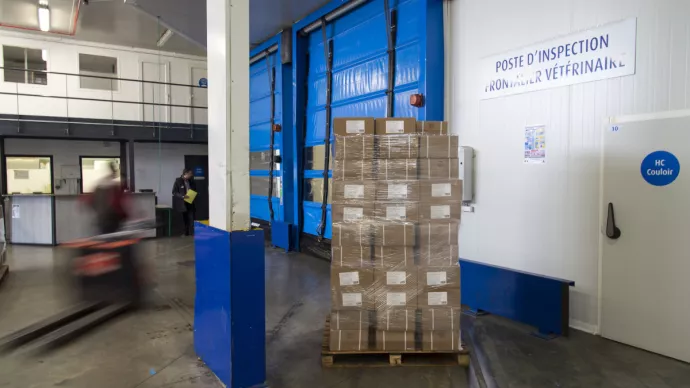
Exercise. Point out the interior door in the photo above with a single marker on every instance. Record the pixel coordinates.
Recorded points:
(154, 92)
(199, 96)
(199, 166)
(646, 240)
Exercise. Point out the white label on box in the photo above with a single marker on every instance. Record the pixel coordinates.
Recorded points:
(436, 278)
(396, 213)
(395, 126)
(438, 298)
(440, 212)
(354, 126)
(352, 299)
(353, 213)
(440, 190)
(396, 299)
(349, 278)
(396, 277)
(354, 191)
(396, 191)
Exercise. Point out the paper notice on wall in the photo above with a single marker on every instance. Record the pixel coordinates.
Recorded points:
(438, 298)
(535, 144)
(353, 214)
(349, 278)
(396, 299)
(354, 126)
(396, 277)
(354, 191)
(436, 278)
(15, 211)
(352, 299)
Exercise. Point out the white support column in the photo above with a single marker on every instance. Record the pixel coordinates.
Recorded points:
(228, 113)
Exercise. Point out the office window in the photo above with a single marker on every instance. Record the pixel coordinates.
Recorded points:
(95, 169)
(100, 66)
(29, 175)
(22, 59)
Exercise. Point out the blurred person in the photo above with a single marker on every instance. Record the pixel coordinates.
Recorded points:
(109, 202)
(182, 185)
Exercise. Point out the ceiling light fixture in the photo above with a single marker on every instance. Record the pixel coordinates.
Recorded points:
(43, 15)
(164, 38)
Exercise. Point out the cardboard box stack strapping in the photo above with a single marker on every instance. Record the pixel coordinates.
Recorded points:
(395, 279)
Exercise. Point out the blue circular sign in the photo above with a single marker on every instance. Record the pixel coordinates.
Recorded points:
(660, 168)
(203, 82)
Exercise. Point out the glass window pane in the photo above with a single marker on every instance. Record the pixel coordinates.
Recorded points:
(34, 61)
(260, 160)
(94, 170)
(28, 175)
(14, 64)
(314, 157)
(313, 190)
(98, 66)
(259, 186)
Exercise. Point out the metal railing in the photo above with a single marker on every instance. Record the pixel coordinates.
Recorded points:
(149, 103)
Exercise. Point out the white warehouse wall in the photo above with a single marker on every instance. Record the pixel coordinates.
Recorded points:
(545, 218)
(156, 165)
(63, 57)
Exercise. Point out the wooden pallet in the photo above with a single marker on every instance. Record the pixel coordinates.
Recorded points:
(379, 358)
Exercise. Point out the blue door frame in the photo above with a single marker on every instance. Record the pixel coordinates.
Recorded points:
(360, 69)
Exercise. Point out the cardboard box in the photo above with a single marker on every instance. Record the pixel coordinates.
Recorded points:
(396, 211)
(352, 255)
(346, 279)
(444, 212)
(397, 191)
(396, 147)
(438, 255)
(432, 127)
(441, 340)
(434, 298)
(351, 319)
(395, 340)
(391, 169)
(353, 126)
(438, 147)
(353, 170)
(394, 278)
(395, 297)
(354, 147)
(353, 191)
(353, 300)
(352, 212)
(438, 169)
(396, 319)
(395, 126)
(438, 278)
(348, 233)
(393, 233)
(438, 233)
(440, 191)
(439, 319)
(393, 256)
(349, 340)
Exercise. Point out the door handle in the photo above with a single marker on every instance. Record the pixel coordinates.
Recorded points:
(612, 231)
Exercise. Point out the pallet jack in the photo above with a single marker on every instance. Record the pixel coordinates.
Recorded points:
(107, 273)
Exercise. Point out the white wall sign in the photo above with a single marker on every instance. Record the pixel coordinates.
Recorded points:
(599, 53)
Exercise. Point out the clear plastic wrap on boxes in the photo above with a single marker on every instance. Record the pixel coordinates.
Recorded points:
(360, 147)
(396, 147)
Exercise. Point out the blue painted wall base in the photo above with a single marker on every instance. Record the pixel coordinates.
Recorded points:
(281, 233)
(533, 299)
(230, 306)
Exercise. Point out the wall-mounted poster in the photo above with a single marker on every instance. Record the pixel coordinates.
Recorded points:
(535, 144)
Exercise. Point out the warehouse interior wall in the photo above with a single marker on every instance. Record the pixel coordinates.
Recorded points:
(545, 218)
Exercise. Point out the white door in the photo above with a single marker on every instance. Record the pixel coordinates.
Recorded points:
(155, 93)
(199, 96)
(646, 270)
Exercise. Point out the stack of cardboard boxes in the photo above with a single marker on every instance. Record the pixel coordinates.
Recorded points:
(396, 209)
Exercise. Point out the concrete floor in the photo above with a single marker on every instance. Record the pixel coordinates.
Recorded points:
(153, 347)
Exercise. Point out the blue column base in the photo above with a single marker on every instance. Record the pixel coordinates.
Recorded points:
(546, 336)
(230, 306)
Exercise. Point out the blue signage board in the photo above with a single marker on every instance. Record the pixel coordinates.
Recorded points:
(198, 171)
(660, 168)
(203, 82)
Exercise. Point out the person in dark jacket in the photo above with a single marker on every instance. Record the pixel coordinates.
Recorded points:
(182, 185)
(109, 202)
